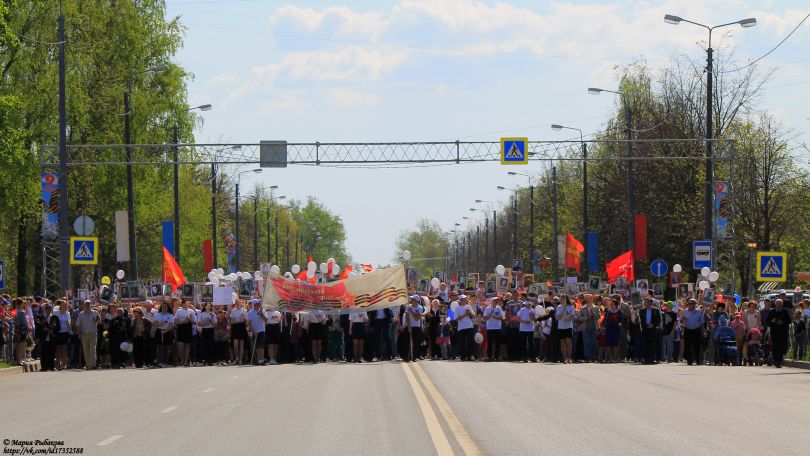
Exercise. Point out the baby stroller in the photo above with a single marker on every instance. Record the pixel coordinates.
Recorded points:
(726, 346)
(756, 353)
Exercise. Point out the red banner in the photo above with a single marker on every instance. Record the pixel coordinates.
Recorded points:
(640, 227)
(172, 274)
(208, 255)
(621, 266)
(572, 250)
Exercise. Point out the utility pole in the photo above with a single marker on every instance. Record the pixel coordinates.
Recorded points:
(630, 203)
(256, 232)
(515, 225)
(494, 237)
(531, 227)
(478, 247)
(585, 203)
(214, 212)
(554, 254)
(269, 244)
(133, 252)
(64, 234)
(176, 138)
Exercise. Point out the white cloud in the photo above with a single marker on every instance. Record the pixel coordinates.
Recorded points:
(343, 96)
(346, 21)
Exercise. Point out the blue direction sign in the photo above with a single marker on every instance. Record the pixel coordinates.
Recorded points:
(84, 250)
(659, 268)
(702, 254)
(2, 274)
(514, 151)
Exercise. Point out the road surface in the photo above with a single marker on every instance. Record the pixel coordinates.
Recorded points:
(425, 408)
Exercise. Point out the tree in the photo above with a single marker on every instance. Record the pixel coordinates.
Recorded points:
(429, 247)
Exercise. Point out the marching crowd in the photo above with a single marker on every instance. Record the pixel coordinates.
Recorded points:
(446, 325)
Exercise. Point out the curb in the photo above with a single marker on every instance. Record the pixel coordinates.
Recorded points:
(6, 371)
(797, 364)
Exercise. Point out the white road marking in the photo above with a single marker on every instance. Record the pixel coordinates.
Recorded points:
(234, 377)
(169, 409)
(208, 390)
(109, 440)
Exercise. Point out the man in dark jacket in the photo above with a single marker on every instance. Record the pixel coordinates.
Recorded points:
(119, 332)
(778, 322)
(47, 326)
(650, 320)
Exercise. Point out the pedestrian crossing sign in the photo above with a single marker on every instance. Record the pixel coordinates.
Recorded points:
(771, 266)
(83, 250)
(514, 151)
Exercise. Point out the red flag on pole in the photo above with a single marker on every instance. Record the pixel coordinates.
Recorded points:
(172, 274)
(572, 250)
(346, 271)
(367, 267)
(621, 266)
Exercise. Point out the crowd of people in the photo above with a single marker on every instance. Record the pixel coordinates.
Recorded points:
(445, 325)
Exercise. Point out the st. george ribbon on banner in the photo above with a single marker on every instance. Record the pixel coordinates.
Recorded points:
(376, 290)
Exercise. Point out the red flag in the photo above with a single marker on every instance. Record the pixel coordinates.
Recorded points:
(621, 266)
(640, 232)
(302, 275)
(329, 268)
(455, 279)
(572, 250)
(172, 274)
(346, 271)
(367, 267)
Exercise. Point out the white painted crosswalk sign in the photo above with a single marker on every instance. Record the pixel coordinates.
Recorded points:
(84, 250)
(514, 151)
(771, 266)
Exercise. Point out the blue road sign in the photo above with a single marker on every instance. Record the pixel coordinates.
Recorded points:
(514, 151)
(702, 255)
(659, 268)
(84, 250)
(2, 274)
(771, 266)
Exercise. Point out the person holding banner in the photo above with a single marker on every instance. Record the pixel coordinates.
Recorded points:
(316, 321)
(258, 319)
(357, 331)
(237, 319)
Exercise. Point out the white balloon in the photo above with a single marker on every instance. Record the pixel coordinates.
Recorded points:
(257, 275)
(434, 282)
(500, 270)
(212, 275)
(124, 346)
(119, 274)
(288, 275)
(677, 268)
(323, 268)
(478, 338)
(220, 271)
(335, 269)
(454, 306)
(235, 296)
(310, 274)
(705, 272)
(538, 310)
(246, 275)
(312, 266)
(129, 348)
(406, 255)
(713, 276)
(296, 269)
(275, 269)
(703, 285)
(330, 260)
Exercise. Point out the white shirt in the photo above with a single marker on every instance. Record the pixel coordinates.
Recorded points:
(464, 320)
(64, 321)
(358, 317)
(182, 316)
(238, 316)
(565, 323)
(207, 319)
(274, 318)
(256, 321)
(316, 316)
(415, 315)
(164, 321)
(492, 311)
(526, 313)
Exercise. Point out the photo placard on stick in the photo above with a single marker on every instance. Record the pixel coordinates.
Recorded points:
(223, 296)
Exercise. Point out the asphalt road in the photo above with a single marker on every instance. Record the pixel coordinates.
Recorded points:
(420, 408)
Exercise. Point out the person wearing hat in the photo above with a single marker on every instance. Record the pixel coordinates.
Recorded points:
(464, 317)
(412, 322)
(87, 327)
(141, 328)
(493, 320)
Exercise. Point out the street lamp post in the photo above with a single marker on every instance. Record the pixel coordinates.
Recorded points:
(514, 220)
(133, 254)
(486, 233)
(556, 259)
(494, 230)
(64, 234)
(237, 236)
(531, 215)
(557, 127)
(628, 118)
(709, 188)
(176, 138)
(278, 211)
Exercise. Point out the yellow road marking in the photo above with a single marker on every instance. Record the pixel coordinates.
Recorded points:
(464, 440)
(433, 425)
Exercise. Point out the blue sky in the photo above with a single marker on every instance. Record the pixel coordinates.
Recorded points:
(414, 70)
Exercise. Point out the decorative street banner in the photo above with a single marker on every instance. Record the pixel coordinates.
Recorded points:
(721, 209)
(50, 206)
(376, 290)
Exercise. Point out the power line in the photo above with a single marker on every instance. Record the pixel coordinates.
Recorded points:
(772, 49)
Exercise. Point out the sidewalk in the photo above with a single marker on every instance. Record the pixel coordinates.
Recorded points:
(797, 364)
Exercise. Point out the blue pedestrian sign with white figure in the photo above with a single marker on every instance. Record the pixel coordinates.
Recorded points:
(702, 254)
(659, 268)
(84, 250)
(514, 151)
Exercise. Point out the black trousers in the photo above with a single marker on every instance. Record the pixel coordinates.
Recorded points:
(513, 343)
(140, 349)
(780, 346)
(48, 355)
(414, 337)
(691, 345)
(525, 344)
(465, 343)
(493, 344)
(208, 351)
(649, 341)
(116, 355)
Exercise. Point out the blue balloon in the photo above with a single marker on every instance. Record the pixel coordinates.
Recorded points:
(736, 299)
(450, 314)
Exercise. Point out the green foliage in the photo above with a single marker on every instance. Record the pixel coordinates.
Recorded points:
(428, 245)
